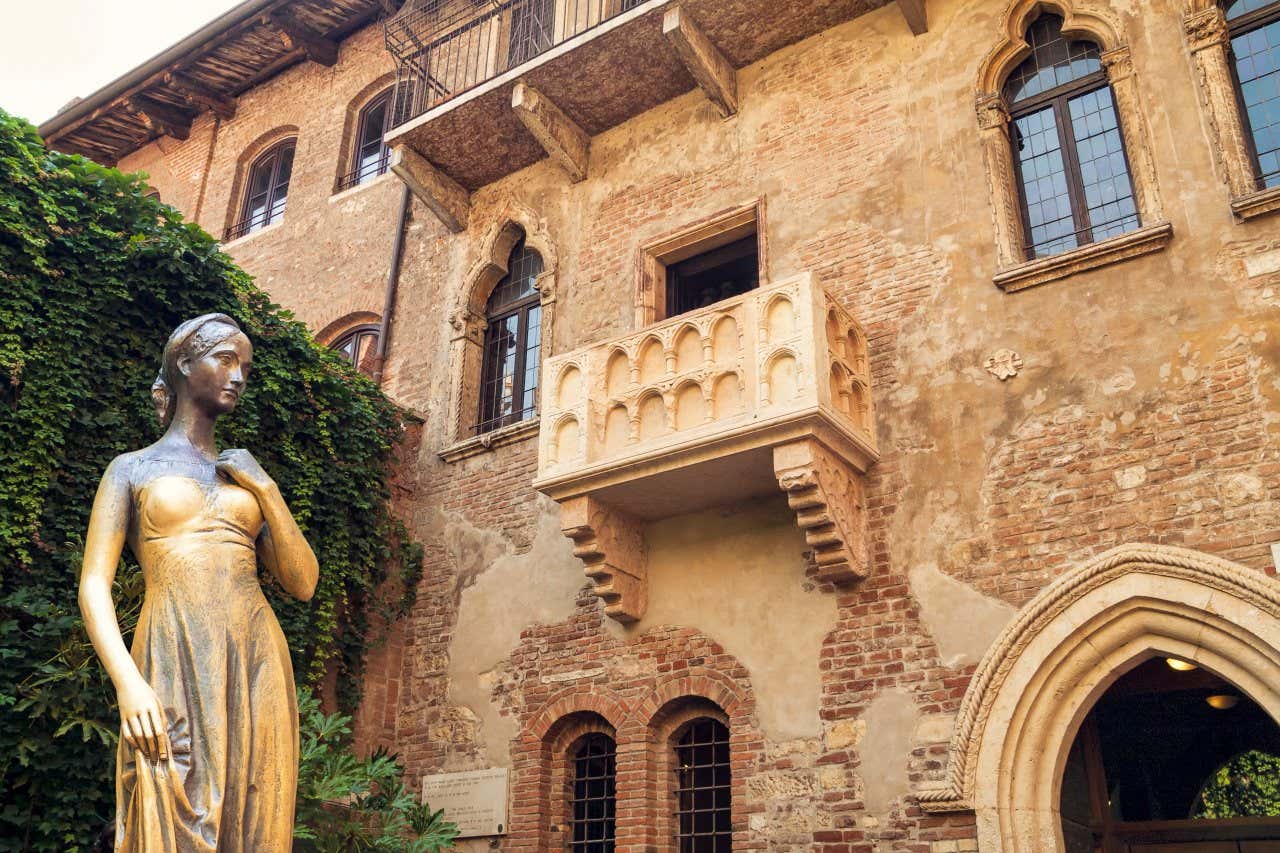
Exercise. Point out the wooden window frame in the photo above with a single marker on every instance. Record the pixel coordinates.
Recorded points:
(246, 225)
(357, 175)
(1058, 99)
(354, 331)
(712, 232)
(486, 421)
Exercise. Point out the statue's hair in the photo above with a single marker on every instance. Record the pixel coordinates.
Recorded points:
(192, 339)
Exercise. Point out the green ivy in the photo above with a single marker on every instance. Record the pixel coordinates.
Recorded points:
(93, 277)
(1246, 786)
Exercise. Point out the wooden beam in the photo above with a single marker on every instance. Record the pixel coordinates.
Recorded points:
(559, 135)
(915, 13)
(448, 201)
(714, 74)
(161, 118)
(298, 36)
(199, 95)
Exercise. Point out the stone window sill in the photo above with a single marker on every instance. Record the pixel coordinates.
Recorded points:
(1143, 241)
(369, 184)
(511, 434)
(245, 238)
(1262, 202)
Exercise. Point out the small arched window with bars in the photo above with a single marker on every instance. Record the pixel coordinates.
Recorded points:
(593, 801)
(703, 802)
(357, 346)
(1073, 174)
(371, 156)
(1254, 28)
(512, 344)
(266, 190)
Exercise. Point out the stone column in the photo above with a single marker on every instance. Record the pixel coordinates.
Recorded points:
(1133, 128)
(1208, 41)
(997, 157)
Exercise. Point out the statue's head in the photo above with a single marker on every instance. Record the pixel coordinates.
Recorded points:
(207, 360)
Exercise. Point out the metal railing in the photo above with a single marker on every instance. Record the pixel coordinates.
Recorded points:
(365, 172)
(445, 47)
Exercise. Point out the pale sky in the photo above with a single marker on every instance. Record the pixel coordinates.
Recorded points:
(54, 50)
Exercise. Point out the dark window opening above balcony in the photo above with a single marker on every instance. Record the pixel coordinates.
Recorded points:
(714, 275)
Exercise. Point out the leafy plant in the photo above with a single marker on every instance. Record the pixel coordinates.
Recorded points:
(350, 804)
(93, 277)
(1246, 786)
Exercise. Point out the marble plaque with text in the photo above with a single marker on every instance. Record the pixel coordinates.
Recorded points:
(475, 800)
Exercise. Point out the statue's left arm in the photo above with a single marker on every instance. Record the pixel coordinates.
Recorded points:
(283, 549)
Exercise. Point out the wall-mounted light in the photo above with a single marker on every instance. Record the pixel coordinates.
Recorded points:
(1179, 664)
(1222, 701)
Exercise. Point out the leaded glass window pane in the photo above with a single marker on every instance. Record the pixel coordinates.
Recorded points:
(1054, 61)
(513, 344)
(1043, 175)
(1108, 195)
(1257, 58)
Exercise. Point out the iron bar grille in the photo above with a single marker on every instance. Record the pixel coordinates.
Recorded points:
(703, 806)
(594, 789)
(445, 47)
(365, 171)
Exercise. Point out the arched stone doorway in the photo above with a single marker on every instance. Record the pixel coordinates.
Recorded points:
(1079, 636)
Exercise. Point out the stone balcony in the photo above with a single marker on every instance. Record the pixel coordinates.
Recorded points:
(765, 391)
(488, 88)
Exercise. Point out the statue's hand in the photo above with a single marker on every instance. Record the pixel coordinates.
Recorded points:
(142, 721)
(241, 468)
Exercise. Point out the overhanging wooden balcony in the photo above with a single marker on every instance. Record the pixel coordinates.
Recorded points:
(488, 87)
(765, 391)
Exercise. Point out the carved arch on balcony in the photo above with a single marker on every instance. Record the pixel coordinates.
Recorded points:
(467, 313)
(1080, 20)
(1067, 646)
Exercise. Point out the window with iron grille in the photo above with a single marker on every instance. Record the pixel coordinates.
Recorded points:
(1073, 174)
(532, 29)
(703, 806)
(594, 788)
(357, 345)
(1254, 26)
(371, 156)
(512, 344)
(266, 190)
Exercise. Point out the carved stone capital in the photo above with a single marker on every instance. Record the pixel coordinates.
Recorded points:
(992, 112)
(1205, 29)
(610, 544)
(467, 324)
(827, 498)
(1118, 62)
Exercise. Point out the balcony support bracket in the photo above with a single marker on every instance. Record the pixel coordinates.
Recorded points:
(610, 544)
(916, 15)
(826, 494)
(713, 73)
(559, 135)
(297, 36)
(161, 118)
(447, 200)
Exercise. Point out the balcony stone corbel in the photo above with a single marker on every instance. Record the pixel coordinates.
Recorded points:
(714, 74)
(916, 16)
(827, 498)
(610, 543)
(447, 200)
(562, 139)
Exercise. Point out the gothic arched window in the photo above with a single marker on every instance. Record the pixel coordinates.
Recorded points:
(512, 343)
(1073, 174)
(1254, 27)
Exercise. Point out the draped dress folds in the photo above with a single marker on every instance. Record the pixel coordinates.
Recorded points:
(209, 645)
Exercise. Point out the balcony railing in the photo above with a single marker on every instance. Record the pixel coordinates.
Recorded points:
(445, 47)
(765, 391)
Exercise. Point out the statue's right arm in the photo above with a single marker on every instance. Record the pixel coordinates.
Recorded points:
(141, 716)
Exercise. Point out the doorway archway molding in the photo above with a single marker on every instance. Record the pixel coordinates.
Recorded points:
(1071, 642)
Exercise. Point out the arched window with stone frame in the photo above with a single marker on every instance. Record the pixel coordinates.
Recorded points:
(1234, 45)
(1065, 147)
(502, 328)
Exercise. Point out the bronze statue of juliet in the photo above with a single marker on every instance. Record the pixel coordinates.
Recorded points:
(208, 757)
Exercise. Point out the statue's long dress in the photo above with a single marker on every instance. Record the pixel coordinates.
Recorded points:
(211, 648)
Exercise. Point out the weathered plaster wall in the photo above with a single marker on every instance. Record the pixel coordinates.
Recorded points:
(1147, 406)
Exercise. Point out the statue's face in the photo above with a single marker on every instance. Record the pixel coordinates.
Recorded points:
(216, 379)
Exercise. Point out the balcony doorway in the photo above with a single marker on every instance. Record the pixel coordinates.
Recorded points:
(1173, 759)
(716, 274)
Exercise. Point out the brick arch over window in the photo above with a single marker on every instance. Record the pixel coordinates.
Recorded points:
(1208, 38)
(1083, 23)
(244, 163)
(1032, 690)
(467, 315)
(540, 761)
